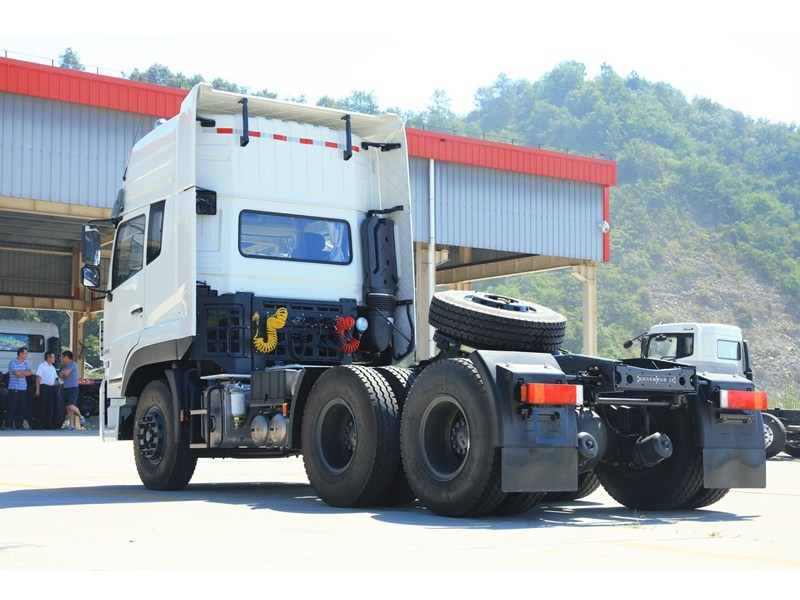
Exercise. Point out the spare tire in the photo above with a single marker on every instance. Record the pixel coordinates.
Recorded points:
(492, 322)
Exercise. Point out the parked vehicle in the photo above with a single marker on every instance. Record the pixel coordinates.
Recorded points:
(259, 305)
(714, 347)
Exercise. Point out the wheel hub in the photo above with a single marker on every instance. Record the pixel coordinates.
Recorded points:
(336, 436)
(500, 302)
(151, 436)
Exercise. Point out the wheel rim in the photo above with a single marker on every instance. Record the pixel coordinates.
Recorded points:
(444, 440)
(336, 436)
(768, 436)
(151, 436)
(500, 302)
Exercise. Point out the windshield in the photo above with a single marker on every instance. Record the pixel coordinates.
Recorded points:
(669, 346)
(293, 237)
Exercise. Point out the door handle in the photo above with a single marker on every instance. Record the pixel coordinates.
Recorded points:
(137, 310)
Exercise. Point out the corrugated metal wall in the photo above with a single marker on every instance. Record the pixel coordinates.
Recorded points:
(487, 208)
(64, 152)
(35, 271)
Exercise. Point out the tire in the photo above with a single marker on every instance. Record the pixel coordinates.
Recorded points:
(491, 322)
(350, 435)
(774, 434)
(517, 502)
(446, 441)
(705, 497)
(87, 405)
(588, 482)
(792, 448)
(669, 484)
(163, 463)
(400, 380)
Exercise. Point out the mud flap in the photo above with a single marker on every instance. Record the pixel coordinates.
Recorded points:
(539, 469)
(733, 447)
(734, 468)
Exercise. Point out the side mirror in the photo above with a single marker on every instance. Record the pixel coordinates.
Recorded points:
(90, 277)
(91, 246)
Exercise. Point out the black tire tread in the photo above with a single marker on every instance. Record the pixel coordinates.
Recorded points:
(399, 492)
(386, 456)
(481, 499)
(493, 329)
(181, 470)
(518, 502)
(587, 483)
(705, 497)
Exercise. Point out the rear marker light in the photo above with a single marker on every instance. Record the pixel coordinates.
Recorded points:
(551, 393)
(738, 400)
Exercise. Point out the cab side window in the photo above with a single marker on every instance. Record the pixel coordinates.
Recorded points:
(128, 251)
(154, 231)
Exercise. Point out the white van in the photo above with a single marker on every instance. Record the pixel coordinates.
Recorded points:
(37, 337)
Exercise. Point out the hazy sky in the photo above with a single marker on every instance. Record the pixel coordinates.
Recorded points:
(740, 54)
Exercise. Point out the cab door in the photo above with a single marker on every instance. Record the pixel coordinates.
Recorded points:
(125, 304)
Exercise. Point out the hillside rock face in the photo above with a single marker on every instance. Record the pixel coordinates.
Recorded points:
(722, 293)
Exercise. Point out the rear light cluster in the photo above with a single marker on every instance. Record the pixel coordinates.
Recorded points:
(551, 393)
(739, 400)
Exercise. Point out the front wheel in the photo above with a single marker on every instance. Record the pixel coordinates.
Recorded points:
(162, 461)
(446, 441)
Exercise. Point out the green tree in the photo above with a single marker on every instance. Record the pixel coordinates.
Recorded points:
(70, 60)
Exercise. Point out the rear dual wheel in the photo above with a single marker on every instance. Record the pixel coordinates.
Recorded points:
(350, 436)
(674, 483)
(446, 442)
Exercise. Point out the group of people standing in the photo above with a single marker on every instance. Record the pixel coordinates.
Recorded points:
(47, 389)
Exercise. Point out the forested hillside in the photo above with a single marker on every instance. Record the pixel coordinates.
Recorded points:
(703, 219)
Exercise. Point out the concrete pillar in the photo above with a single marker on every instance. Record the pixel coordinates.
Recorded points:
(464, 258)
(587, 275)
(423, 266)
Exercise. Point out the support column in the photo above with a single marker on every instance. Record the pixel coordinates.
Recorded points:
(424, 293)
(587, 275)
(464, 258)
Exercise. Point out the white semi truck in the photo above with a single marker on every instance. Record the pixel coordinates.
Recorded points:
(716, 348)
(260, 299)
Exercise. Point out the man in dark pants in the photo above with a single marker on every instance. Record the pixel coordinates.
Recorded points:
(46, 390)
(69, 390)
(18, 370)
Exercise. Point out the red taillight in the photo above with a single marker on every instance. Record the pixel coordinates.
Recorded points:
(551, 393)
(739, 400)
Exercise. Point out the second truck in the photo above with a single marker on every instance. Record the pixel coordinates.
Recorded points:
(260, 299)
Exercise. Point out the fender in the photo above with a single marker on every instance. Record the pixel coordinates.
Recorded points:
(732, 441)
(540, 452)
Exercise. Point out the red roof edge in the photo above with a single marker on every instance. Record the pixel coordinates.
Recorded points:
(114, 93)
(506, 157)
(79, 87)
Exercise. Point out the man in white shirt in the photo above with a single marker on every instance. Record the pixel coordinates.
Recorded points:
(46, 392)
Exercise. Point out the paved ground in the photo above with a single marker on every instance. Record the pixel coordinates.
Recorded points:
(66, 498)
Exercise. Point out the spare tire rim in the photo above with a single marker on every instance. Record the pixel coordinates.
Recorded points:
(500, 302)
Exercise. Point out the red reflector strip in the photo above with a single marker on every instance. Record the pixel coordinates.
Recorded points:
(740, 400)
(551, 393)
(282, 138)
